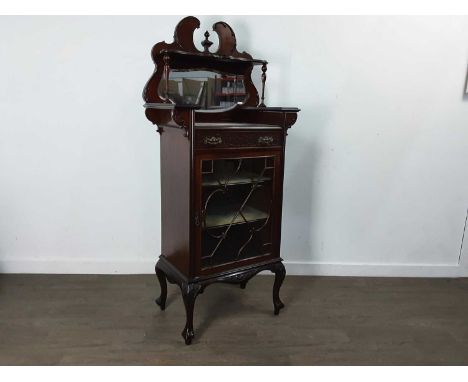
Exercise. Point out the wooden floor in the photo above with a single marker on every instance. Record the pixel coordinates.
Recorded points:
(103, 320)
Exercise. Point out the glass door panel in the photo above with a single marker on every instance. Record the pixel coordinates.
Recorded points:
(237, 199)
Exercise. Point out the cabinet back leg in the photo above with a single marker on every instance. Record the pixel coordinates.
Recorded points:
(161, 300)
(280, 273)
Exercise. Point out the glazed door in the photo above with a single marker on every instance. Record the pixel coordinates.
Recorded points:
(238, 210)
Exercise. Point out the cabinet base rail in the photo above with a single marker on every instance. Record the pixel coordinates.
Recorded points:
(190, 289)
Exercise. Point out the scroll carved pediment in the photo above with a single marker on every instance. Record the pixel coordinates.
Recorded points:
(183, 38)
(183, 33)
(182, 54)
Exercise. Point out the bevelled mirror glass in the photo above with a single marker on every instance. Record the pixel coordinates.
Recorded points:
(205, 89)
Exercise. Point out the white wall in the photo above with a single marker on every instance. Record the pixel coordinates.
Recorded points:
(376, 166)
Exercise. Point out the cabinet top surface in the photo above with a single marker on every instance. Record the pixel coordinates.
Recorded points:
(170, 106)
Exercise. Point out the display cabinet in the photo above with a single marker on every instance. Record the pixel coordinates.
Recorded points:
(222, 162)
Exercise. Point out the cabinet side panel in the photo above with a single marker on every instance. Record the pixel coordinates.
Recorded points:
(175, 198)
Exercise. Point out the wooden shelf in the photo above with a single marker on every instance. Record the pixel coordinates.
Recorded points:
(230, 78)
(223, 215)
(230, 94)
(210, 180)
(212, 57)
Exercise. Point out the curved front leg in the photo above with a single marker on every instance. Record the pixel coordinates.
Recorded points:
(161, 300)
(280, 273)
(189, 294)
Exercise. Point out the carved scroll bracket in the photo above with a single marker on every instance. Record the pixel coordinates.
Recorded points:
(289, 120)
(183, 118)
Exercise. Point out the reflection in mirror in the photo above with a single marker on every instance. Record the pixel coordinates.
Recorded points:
(203, 88)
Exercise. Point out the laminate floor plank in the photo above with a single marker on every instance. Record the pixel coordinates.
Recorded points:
(112, 320)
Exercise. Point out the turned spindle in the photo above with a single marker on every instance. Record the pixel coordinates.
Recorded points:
(264, 69)
(166, 77)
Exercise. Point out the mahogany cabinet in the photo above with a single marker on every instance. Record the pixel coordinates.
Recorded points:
(222, 163)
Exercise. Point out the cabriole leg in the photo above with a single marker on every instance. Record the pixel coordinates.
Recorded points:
(280, 273)
(189, 294)
(161, 300)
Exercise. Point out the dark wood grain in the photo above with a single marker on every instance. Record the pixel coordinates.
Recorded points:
(175, 196)
(190, 135)
(112, 320)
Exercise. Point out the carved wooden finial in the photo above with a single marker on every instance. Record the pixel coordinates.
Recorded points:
(206, 43)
